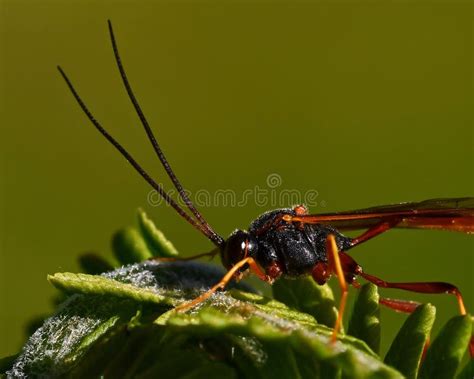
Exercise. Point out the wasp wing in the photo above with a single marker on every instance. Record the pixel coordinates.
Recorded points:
(455, 214)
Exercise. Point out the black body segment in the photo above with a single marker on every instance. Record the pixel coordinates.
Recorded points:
(296, 247)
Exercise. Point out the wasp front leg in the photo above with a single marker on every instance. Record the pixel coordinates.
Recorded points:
(232, 273)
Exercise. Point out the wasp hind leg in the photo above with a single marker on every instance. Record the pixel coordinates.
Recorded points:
(423, 287)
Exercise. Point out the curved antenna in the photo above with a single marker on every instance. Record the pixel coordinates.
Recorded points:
(213, 237)
(151, 136)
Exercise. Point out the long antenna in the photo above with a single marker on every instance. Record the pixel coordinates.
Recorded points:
(216, 239)
(151, 136)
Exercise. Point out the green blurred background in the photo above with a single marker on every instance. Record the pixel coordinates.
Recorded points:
(366, 102)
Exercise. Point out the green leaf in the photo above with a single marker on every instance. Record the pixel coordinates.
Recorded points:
(468, 371)
(120, 324)
(305, 295)
(180, 363)
(407, 348)
(92, 263)
(445, 354)
(157, 243)
(148, 351)
(130, 247)
(365, 319)
(64, 339)
(98, 285)
(309, 342)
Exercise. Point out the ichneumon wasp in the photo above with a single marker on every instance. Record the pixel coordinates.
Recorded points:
(291, 242)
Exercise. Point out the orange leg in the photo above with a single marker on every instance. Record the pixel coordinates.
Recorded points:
(335, 265)
(405, 306)
(425, 287)
(223, 282)
(421, 287)
(351, 267)
(374, 231)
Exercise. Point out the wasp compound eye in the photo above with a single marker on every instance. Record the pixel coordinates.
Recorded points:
(239, 245)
